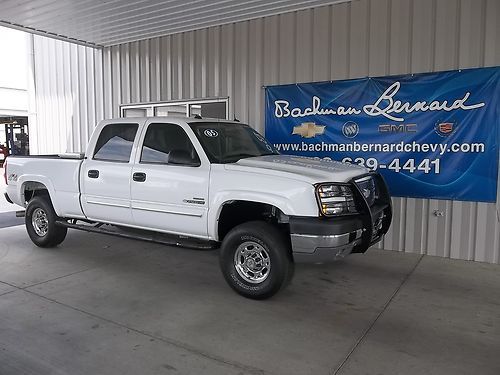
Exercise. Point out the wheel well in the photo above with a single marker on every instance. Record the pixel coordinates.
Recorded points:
(33, 189)
(234, 213)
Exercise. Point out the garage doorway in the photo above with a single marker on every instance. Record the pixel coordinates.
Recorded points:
(14, 139)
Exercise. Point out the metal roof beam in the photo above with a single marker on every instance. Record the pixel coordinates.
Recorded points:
(96, 22)
(50, 35)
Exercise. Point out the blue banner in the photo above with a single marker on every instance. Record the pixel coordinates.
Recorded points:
(431, 135)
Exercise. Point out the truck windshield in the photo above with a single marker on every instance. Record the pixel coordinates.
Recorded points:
(230, 142)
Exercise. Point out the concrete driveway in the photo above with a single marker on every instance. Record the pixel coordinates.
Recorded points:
(103, 305)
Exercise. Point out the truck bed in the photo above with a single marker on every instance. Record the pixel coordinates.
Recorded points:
(59, 174)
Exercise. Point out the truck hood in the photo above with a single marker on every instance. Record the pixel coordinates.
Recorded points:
(299, 168)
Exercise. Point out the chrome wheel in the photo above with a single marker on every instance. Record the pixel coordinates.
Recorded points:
(40, 222)
(252, 262)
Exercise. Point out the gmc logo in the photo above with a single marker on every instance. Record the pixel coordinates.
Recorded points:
(397, 128)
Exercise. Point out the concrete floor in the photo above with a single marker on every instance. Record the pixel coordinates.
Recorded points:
(104, 305)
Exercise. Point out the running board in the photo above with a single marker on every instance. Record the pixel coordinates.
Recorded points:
(144, 235)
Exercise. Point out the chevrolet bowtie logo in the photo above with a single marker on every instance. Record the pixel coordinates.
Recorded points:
(308, 130)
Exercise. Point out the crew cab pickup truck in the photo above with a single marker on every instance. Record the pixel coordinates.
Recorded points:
(205, 184)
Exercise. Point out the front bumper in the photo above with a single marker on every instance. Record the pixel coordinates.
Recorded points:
(323, 249)
(322, 239)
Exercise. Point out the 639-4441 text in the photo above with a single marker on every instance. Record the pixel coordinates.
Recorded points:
(397, 165)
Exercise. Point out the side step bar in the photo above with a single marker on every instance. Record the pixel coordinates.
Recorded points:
(144, 235)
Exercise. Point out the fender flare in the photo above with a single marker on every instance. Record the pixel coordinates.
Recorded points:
(222, 198)
(24, 179)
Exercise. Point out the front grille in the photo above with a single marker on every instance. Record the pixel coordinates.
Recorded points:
(367, 187)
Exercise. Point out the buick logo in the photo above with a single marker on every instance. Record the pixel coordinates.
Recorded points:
(350, 129)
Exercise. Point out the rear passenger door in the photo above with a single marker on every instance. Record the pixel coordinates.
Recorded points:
(169, 190)
(105, 175)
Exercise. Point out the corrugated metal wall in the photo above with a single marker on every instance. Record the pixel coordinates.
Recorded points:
(68, 100)
(361, 38)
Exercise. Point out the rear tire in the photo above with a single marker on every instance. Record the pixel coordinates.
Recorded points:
(40, 220)
(255, 259)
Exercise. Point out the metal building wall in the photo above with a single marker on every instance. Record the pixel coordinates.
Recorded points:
(67, 101)
(356, 39)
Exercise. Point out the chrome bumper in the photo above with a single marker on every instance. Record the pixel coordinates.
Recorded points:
(310, 248)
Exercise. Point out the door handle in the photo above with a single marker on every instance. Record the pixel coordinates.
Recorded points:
(93, 173)
(139, 176)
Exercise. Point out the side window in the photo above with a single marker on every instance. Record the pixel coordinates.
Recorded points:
(162, 139)
(115, 142)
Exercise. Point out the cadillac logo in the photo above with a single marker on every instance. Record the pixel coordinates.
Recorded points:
(444, 129)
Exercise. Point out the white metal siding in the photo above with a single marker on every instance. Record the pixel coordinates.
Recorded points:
(68, 99)
(377, 37)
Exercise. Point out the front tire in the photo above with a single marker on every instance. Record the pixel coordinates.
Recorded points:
(255, 260)
(40, 220)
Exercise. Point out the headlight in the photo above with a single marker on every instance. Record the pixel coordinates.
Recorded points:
(335, 199)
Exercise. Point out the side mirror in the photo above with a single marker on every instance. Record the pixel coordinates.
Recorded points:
(183, 157)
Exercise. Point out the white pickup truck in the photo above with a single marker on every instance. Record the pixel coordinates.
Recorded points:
(204, 184)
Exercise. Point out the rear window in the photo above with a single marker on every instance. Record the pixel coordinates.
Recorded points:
(115, 142)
